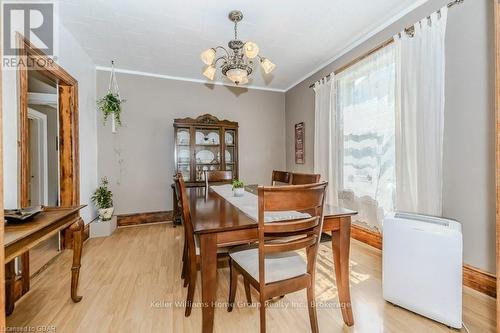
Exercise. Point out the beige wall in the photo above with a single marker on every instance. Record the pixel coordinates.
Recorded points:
(139, 161)
(468, 187)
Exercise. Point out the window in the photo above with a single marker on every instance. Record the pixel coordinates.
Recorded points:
(366, 111)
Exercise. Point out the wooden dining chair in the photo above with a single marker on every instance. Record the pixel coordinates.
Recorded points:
(177, 194)
(274, 267)
(191, 255)
(216, 176)
(304, 178)
(280, 177)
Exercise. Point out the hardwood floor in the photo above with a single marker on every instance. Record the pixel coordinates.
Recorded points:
(130, 282)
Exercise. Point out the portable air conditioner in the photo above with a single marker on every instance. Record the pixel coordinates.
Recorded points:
(422, 266)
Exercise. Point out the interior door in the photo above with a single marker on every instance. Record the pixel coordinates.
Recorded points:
(38, 168)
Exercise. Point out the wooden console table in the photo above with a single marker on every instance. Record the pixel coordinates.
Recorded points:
(20, 238)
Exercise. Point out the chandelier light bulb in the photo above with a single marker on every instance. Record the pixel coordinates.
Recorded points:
(208, 56)
(209, 72)
(251, 50)
(267, 65)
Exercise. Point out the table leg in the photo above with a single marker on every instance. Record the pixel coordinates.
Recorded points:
(25, 272)
(340, 246)
(77, 229)
(10, 278)
(208, 254)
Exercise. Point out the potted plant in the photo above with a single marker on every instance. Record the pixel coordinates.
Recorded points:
(110, 105)
(238, 188)
(103, 199)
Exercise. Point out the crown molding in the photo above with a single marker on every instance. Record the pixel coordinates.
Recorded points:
(180, 78)
(360, 41)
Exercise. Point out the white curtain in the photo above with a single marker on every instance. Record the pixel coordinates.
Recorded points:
(365, 106)
(327, 140)
(420, 67)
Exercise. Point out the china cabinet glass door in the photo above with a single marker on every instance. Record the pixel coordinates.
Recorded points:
(207, 151)
(203, 144)
(230, 151)
(182, 149)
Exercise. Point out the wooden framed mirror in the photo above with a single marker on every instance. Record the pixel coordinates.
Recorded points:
(66, 139)
(68, 125)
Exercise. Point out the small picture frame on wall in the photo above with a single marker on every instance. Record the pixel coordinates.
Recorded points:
(299, 143)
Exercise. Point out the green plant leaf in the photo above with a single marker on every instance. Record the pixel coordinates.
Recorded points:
(237, 184)
(103, 197)
(110, 105)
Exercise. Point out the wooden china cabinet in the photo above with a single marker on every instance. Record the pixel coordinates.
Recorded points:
(204, 143)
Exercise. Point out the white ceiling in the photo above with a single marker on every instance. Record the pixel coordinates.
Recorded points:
(166, 36)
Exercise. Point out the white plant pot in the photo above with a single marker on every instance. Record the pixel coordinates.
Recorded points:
(239, 192)
(105, 214)
(101, 228)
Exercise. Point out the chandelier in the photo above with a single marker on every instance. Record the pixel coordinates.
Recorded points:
(237, 63)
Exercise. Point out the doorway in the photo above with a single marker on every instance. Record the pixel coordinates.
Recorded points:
(39, 178)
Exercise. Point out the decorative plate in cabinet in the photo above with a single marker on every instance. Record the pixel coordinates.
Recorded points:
(205, 156)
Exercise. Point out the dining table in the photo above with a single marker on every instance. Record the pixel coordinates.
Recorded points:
(218, 223)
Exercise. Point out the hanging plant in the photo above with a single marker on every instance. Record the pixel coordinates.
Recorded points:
(111, 103)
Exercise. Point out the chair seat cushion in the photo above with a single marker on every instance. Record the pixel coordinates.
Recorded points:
(278, 266)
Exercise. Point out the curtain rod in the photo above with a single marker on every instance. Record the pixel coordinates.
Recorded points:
(384, 44)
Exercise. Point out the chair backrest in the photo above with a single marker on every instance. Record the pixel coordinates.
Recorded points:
(186, 215)
(275, 236)
(280, 177)
(304, 178)
(215, 176)
(177, 192)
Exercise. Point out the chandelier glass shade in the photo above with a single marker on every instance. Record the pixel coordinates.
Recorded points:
(267, 65)
(209, 72)
(237, 75)
(236, 63)
(208, 56)
(251, 50)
